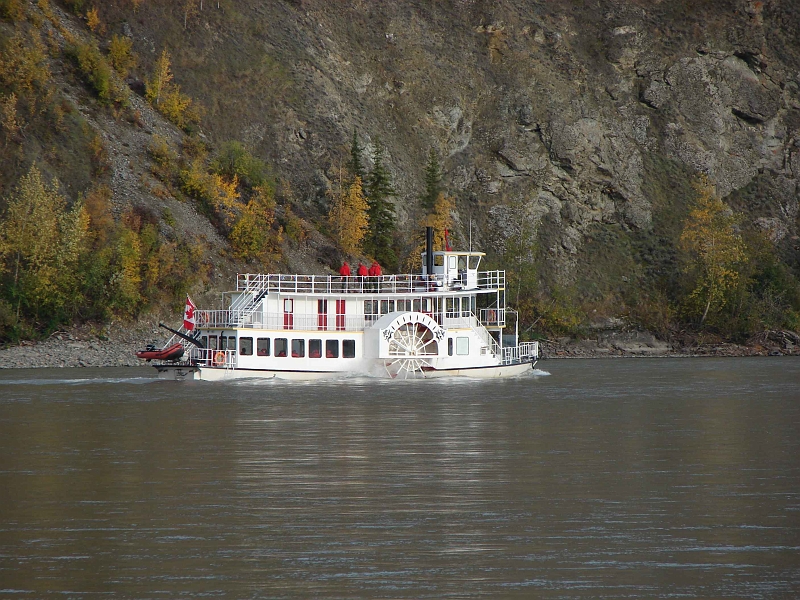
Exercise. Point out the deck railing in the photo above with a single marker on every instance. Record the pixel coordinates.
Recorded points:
(381, 284)
(209, 357)
(226, 319)
(523, 352)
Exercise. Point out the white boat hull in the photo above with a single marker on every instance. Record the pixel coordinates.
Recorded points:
(183, 373)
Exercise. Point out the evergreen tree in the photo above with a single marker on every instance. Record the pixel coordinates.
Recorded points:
(433, 182)
(356, 165)
(378, 241)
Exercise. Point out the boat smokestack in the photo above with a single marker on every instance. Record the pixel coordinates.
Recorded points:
(429, 250)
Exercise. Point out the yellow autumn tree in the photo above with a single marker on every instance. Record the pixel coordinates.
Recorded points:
(714, 250)
(441, 219)
(41, 244)
(226, 198)
(160, 79)
(252, 232)
(25, 70)
(120, 51)
(93, 20)
(348, 216)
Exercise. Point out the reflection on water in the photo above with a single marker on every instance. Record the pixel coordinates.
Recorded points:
(606, 479)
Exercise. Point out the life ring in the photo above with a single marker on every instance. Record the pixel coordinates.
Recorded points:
(219, 359)
(491, 316)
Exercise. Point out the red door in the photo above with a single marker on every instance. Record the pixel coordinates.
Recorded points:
(322, 314)
(340, 304)
(288, 314)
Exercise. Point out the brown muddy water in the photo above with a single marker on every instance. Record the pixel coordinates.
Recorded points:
(604, 479)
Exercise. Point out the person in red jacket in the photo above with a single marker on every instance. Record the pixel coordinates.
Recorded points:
(344, 271)
(362, 270)
(375, 269)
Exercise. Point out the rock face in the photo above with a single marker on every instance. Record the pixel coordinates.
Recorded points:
(575, 115)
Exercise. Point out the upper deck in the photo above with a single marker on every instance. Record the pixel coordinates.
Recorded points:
(323, 285)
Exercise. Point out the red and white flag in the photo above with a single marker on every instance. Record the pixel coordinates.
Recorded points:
(188, 315)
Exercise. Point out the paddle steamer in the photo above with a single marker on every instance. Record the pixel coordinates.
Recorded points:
(449, 320)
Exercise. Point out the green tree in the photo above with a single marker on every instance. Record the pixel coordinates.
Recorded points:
(379, 239)
(355, 165)
(433, 182)
(714, 250)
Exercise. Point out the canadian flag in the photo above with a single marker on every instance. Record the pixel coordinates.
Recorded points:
(188, 315)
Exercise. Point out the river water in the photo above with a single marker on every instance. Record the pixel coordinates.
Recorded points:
(602, 479)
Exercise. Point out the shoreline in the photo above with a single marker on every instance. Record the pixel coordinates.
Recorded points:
(116, 345)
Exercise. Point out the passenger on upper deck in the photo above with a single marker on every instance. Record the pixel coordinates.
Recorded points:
(344, 271)
(375, 269)
(362, 270)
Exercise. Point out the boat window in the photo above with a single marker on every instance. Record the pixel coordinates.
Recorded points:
(473, 262)
(417, 305)
(370, 310)
(384, 307)
(262, 346)
(246, 346)
(232, 342)
(212, 342)
(298, 348)
(404, 305)
(349, 348)
(472, 307)
(315, 348)
(438, 260)
(450, 304)
(462, 346)
(331, 348)
(462, 263)
(465, 310)
(281, 345)
(391, 306)
(427, 305)
(287, 305)
(204, 341)
(449, 346)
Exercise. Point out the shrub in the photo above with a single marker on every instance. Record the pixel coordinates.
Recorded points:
(120, 51)
(97, 73)
(234, 159)
(12, 10)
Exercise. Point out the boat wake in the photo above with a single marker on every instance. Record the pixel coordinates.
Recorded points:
(79, 381)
